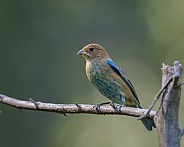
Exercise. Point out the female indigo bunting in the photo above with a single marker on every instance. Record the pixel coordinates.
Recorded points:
(110, 80)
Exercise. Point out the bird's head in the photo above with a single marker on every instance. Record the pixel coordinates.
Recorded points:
(93, 52)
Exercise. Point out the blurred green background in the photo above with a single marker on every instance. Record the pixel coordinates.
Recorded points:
(38, 45)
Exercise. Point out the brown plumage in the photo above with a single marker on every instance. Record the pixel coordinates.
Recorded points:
(109, 79)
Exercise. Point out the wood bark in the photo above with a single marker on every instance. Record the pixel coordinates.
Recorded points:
(166, 118)
(169, 133)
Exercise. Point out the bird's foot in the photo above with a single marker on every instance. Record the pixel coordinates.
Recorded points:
(119, 108)
(113, 106)
(34, 102)
(97, 106)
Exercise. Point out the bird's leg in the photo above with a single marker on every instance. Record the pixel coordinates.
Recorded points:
(101, 104)
(122, 103)
(113, 106)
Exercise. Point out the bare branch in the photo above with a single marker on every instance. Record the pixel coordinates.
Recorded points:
(166, 119)
(71, 108)
(155, 99)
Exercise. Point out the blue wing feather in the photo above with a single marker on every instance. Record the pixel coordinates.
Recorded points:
(120, 72)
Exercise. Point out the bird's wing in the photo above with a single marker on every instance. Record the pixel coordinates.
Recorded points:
(120, 72)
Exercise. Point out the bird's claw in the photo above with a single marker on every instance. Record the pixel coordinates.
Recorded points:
(97, 106)
(119, 108)
(116, 108)
(113, 106)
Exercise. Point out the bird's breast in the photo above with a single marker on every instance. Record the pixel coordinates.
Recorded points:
(96, 71)
(105, 80)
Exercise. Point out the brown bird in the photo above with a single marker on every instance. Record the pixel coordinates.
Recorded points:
(110, 80)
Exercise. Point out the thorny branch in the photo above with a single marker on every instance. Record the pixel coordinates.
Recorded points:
(71, 108)
(155, 99)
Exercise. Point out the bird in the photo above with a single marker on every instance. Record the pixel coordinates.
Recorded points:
(110, 80)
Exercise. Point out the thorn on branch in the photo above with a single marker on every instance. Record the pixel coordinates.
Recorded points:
(65, 114)
(69, 108)
(113, 106)
(34, 102)
(178, 85)
(97, 106)
(79, 106)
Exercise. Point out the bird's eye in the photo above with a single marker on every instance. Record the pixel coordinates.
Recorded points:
(91, 49)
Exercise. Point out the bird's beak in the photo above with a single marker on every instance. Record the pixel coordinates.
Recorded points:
(81, 52)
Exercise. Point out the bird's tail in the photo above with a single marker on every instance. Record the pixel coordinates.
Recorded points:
(148, 123)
